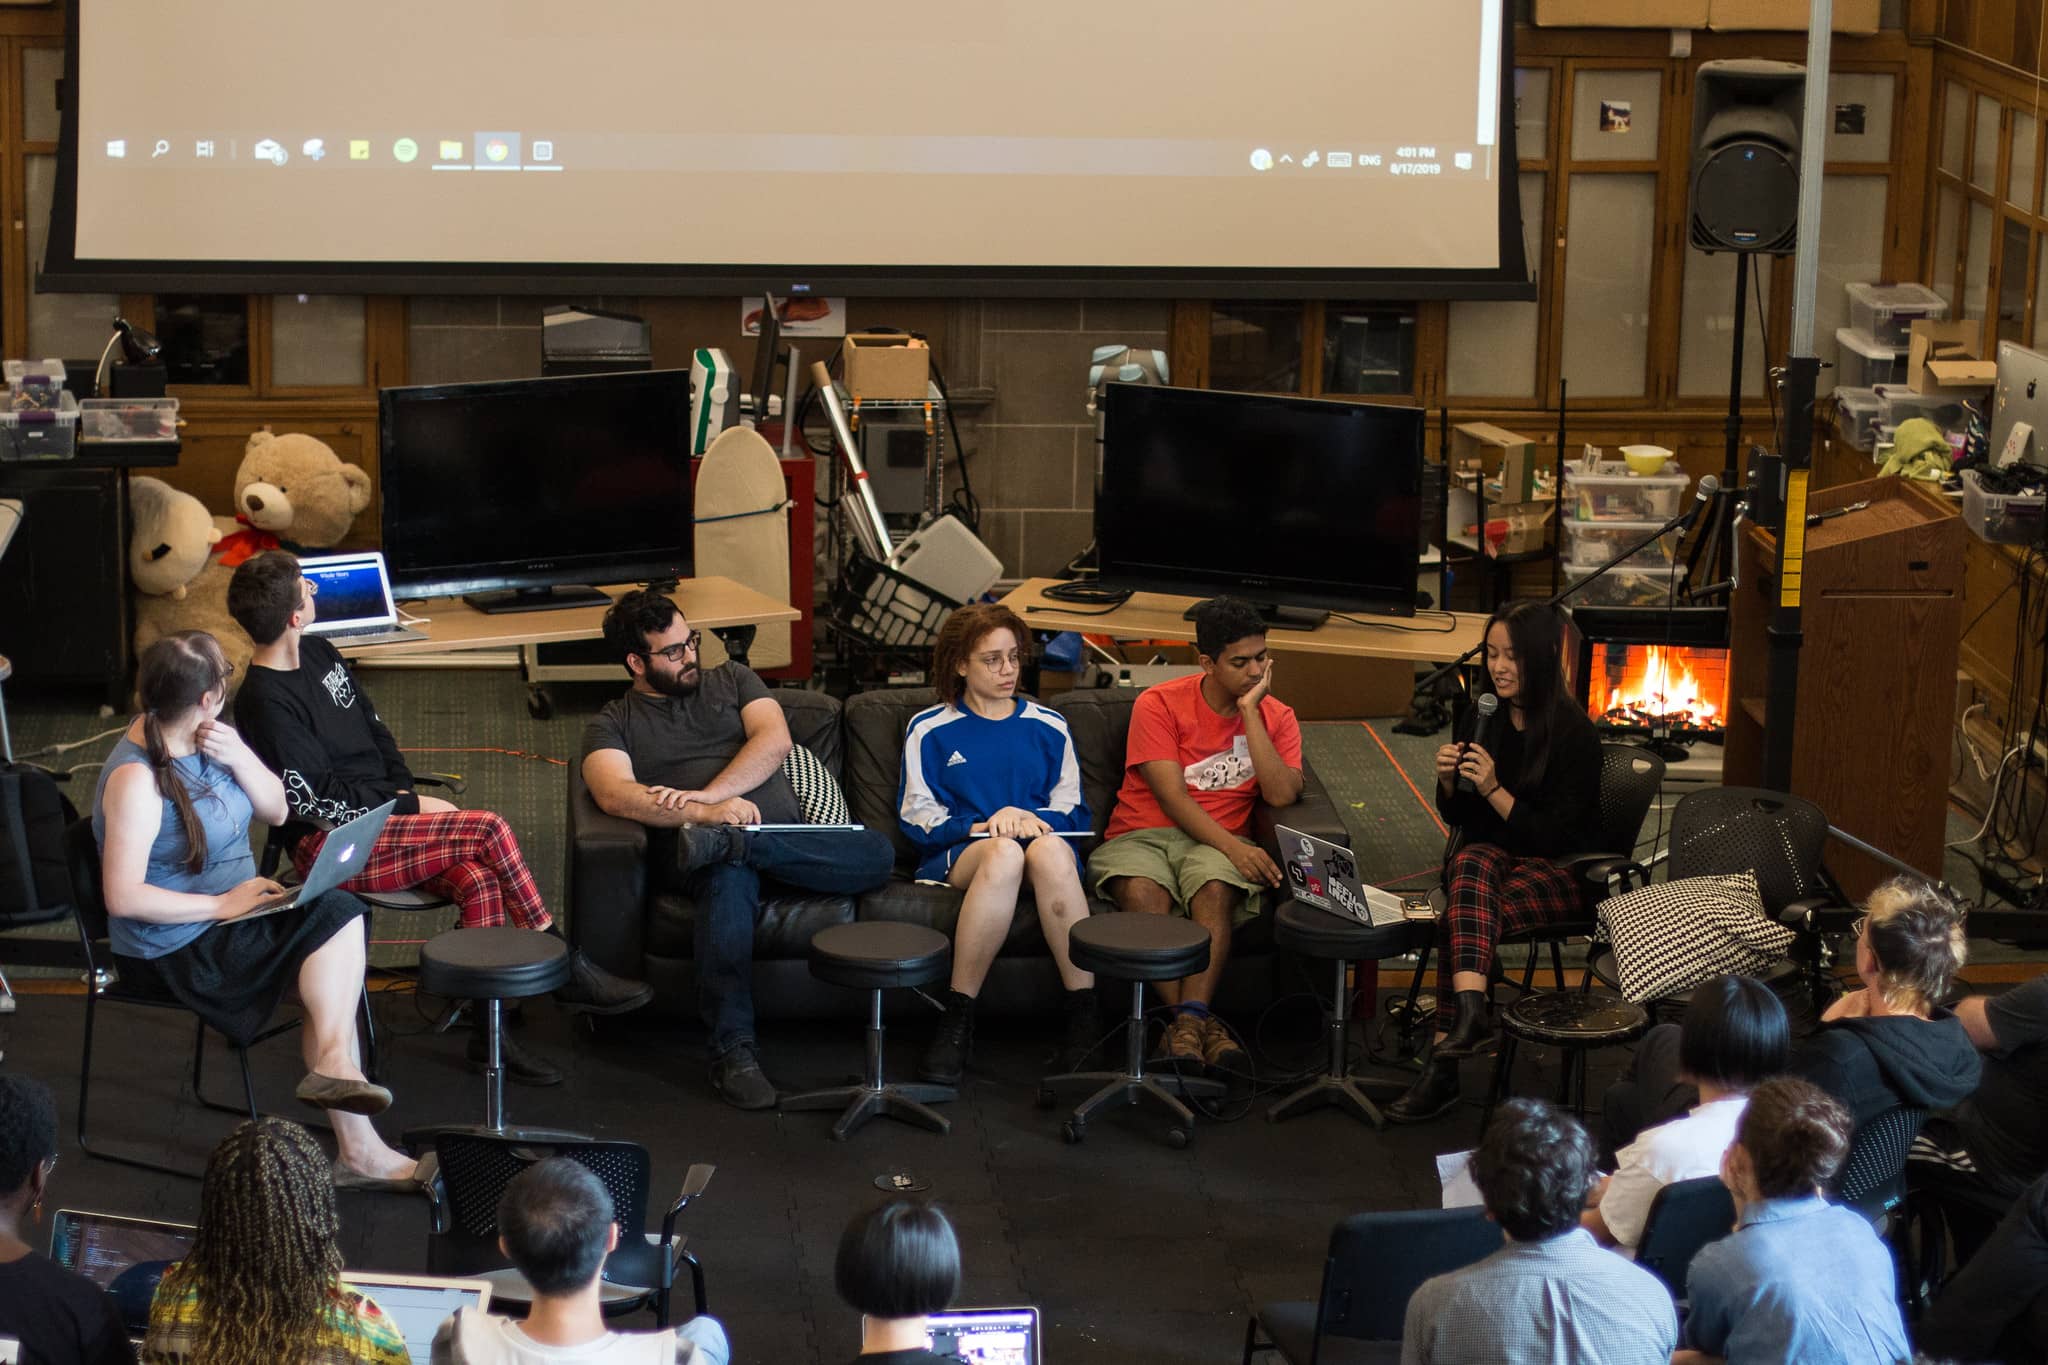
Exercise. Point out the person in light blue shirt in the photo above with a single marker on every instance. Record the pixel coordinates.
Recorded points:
(1799, 1278)
(990, 785)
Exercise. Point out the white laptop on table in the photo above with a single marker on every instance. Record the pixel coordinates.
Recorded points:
(1325, 875)
(354, 603)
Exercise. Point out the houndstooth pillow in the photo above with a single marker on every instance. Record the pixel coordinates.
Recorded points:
(1670, 936)
(817, 791)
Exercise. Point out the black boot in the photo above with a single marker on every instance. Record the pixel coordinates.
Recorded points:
(1084, 1029)
(522, 1067)
(945, 1061)
(1435, 1092)
(1473, 1032)
(593, 990)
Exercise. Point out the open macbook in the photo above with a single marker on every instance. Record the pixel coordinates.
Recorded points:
(1325, 875)
(122, 1255)
(354, 603)
(986, 1336)
(419, 1303)
(341, 857)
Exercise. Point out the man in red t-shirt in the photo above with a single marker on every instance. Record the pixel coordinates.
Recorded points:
(1203, 749)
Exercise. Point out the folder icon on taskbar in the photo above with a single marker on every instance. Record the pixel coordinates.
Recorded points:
(451, 150)
(358, 149)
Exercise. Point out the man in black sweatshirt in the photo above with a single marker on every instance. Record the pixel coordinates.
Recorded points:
(302, 712)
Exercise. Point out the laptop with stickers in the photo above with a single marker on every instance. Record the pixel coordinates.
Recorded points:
(1325, 875)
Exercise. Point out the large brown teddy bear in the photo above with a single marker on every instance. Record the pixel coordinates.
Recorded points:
(291, 490)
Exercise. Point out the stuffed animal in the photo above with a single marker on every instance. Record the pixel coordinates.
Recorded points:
(295, 491)
(173, 537)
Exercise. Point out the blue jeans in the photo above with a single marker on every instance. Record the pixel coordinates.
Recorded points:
(728, 899)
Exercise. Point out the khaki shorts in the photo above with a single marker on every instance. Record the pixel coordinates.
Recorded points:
(1177, 861)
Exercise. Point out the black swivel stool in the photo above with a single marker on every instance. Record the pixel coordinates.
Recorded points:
(1575, 1022)
(872, 956)
(1137, 948)
(490, 966)
(1317, 933)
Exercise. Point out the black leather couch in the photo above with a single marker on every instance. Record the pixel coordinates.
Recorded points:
(626, 911)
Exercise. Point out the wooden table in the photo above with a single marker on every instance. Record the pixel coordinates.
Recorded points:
(450, 623)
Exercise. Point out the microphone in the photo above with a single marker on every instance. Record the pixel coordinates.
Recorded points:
(1709, 486)
(1482, 730)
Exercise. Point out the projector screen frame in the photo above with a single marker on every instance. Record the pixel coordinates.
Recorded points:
(63, 272)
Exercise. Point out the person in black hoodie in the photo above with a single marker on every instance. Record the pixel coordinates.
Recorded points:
(1535, 800)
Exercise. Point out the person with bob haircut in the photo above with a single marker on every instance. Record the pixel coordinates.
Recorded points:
(897, 1265)
(1535, 800)
(1734, 1038)
(48, 1315)
(1551, 1293)
(556, 1223)
(989, 784)
(1799, 1278)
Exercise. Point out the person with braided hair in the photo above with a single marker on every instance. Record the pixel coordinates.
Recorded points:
(262, 1282)
(172, 819)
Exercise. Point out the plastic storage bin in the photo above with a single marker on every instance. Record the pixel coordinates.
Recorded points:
(1609, 492)
(40, 433)
(1886, 312)
(1863, 363)
(2001, 518)
(128, 419)
(1596, 542)
(1857, 412)
(34, 383)
(1625, 585)
(1896, 403)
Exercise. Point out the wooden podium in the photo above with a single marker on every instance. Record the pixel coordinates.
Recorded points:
(1881, 609)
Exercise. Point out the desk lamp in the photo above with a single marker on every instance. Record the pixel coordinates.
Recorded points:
(137, 348)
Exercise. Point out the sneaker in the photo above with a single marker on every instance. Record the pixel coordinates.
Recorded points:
(1220, 1051)
(1181, 1044)
(593, 990)
(521, 1066)
(952, 1046)
(739, 1080)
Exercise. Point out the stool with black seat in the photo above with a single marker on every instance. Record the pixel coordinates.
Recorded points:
(1574, 1022)
(874, 956)
(1136, 947)
(1311, 932)
(490, 966)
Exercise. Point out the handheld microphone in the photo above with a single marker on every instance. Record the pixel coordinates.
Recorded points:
(1709, 486)
(1482, 730)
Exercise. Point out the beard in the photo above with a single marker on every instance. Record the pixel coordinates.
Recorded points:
(684, 682)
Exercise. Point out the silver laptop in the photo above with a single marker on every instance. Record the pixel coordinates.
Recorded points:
(2020, 399)
(986, 1336)
(355, 604)
(419, 1304)
(341, 857)
(1325, 875)
(125, 1256)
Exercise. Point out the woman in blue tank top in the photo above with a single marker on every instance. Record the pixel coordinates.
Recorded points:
(172, 818)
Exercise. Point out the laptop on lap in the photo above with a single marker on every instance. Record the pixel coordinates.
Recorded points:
(987, 1336)
(354, 604)
(419, 1303)
(341, 857)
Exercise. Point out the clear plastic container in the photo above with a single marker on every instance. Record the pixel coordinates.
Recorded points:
(1609, 492)
(2002, 519)
(1857, 412)
(1886, 312)
(40, 433)
(128, 419)
(1596, 542)
(1862, 363)
(1897, 403)
(1625, 585)
(33, 384)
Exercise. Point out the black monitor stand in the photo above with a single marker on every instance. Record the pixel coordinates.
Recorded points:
(1279, 616)
(536, 599)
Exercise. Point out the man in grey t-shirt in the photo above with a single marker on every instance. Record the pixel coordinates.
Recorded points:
(700, 751)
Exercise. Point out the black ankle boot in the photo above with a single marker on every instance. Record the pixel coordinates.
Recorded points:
(1473, 1032)
(952, 1045)
(1435, 1092)
(1084, 1029)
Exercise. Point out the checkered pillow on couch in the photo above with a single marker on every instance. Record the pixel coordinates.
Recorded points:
(817, 791)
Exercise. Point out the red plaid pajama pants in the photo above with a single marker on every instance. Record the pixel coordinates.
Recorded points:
(469, 856)
(1492, 893)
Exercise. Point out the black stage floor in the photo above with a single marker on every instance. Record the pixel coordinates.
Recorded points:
(1134, 1251)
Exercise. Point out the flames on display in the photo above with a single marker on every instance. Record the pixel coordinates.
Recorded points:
(1650, 685)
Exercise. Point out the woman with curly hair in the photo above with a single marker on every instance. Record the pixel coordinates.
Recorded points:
(262, 1282)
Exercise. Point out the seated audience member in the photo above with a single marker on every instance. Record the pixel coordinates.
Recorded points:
(555, 1222)
(48, 1315)
(1996, 1308)
(172, 818)
(262, 1284)
(1551, 1293)
(898, 1265)
(700, 751)
(1535, 799)
(1202, 750)
(986, 762)
(307, 717)
(1734, 1037)
(1799, 1279)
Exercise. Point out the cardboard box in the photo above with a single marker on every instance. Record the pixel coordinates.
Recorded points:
(1491, 450)
(1943, 359)
(887, 365)
(1850, 16)
(1621, 13)
(1518, 528)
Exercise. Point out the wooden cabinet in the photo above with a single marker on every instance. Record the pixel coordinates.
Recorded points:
(1881, 608)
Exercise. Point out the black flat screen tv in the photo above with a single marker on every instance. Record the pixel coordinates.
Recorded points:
(1286, 502)
(518, 493)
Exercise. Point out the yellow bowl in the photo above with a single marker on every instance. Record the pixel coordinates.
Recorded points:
(1646, 459)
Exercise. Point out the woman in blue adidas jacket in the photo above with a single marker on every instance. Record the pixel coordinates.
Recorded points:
(989, 784)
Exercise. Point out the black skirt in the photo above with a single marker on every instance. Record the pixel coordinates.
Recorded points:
(233, 975)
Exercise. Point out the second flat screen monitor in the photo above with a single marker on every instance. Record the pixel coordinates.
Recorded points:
(1284, 501)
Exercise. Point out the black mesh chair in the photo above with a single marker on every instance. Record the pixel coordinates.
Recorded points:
(641, 1272)
(1872, 1181)
(1684, 1216)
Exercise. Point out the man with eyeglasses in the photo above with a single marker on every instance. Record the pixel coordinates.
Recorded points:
(700, 751)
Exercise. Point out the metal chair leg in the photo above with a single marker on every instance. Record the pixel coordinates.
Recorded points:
(875, 1096)
(1503, 1073)
(84, 1094)
(1337, 1086)
(366, 1034)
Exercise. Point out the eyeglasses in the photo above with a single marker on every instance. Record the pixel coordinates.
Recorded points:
(993, 661)
(227, 673)
(1856, 929)
(675, 654)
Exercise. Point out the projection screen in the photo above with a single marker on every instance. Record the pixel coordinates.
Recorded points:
(872, 145)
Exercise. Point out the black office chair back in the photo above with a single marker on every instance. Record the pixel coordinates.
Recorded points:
(1873, 1176)
(88, 901)
(1630, 778)
(1725, 830)
(1377, 1261)
(1685, 1216)
(476, 1168)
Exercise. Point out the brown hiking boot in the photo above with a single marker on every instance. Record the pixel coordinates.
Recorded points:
(1182, 1041)
(1221, 1052)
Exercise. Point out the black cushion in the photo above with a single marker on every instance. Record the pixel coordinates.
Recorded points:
(1139, 947)
(1292, 1328)
(1575, 1019)
(876, 955)
(1318, 933)
(873, 728)
(813, 719)
(1099, 720)
(500, 963)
